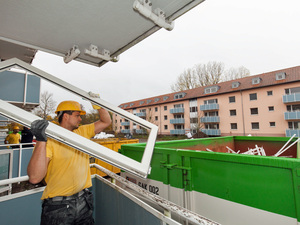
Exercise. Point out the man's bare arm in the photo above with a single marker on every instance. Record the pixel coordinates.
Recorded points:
(38, 164)
(104, 121)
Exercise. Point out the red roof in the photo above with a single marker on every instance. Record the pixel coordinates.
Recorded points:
(266, 79)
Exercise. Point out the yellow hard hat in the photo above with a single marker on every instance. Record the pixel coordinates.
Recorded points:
(16, 128)
(70, 106)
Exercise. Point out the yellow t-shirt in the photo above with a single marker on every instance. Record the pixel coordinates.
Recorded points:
(13, 138)
(69, 169)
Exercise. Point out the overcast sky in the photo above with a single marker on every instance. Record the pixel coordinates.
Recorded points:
(261, 35)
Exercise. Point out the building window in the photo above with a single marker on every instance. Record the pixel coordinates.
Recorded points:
(166, 127)
(165, 108)
(210, 101)
(148, 101)
(179, 95)
(235, 84)
(156, 99)
(294, 125)
(212, 89)
(194, 109)
(255, 126)
(293, 108)
(178, 106)
(231, 99)
(165, 98)
(233, 126)
(213, 113)
(253, 96)
(254, 111)
(141, 102)
(232, 112)
(156, 117)
(165, 117)
(269, 93)
(291, 91)
(272, 124)
(256, 80)
(271, 108)
(280, 76)
(156, 109)
(194, 120)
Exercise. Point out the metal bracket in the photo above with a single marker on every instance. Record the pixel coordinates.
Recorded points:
(144, 7)
(104, 54)
(73, 53)
(173, 166)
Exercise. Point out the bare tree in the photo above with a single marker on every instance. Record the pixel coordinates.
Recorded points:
(47, 105)
(209, 74)
(202, 75)
(185, 81)
(236, 73)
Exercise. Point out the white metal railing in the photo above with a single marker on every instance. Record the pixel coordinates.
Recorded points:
(9, 151)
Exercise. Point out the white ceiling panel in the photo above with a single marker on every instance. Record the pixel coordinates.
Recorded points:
(56, 26)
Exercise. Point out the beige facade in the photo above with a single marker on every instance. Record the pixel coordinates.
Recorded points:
(262, 105)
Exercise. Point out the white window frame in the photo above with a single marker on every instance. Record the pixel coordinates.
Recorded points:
(56, 132)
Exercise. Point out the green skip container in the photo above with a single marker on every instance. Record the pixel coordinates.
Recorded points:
(229, 188)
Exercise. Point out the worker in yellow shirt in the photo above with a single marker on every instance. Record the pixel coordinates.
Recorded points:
(66, 171)
(13, 138)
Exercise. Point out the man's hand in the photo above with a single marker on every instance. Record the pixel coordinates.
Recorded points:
(38, 128)
(93, 95)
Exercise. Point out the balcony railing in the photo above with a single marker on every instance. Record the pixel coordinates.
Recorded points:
(177, 121)
(141, 114)
(181, 132)
(291, 98)
(207, 107)
(125, 123)
(290, 133)
(177, 110)
(292, 115)
(141, 131)
(210, 119)
(126, 131)
(212, 132)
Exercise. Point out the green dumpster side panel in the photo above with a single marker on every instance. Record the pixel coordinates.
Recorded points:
(258, 186)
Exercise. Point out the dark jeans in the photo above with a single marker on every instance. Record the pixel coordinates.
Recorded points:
(77, 211)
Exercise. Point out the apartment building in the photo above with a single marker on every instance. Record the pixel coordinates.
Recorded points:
(267, 104)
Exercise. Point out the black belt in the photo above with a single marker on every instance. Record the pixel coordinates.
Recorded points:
(60, 198)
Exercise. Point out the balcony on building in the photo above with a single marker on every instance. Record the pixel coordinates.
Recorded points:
(206, 107)
(292, 115)
(177, 121)
(212, 132)
(178, 131)
(141, 114)
(141, 131)
(177, 110)
(125, 131)
(125, 123)
(291, 98)
(210, 119)
(290, 133)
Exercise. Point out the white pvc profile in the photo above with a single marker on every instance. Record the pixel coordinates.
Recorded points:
(21, 116)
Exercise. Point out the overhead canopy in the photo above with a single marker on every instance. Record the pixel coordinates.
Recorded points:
(110, 26)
